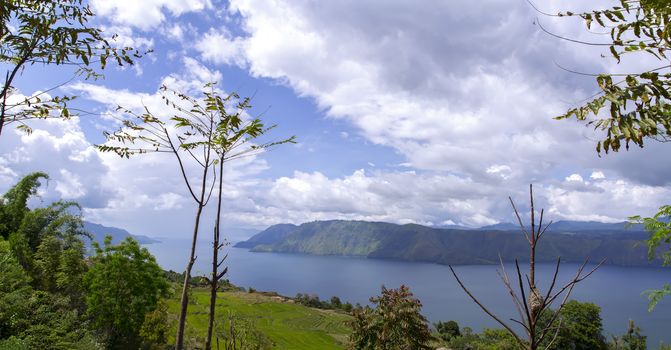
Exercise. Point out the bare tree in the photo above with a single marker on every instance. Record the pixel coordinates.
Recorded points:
(531, 303)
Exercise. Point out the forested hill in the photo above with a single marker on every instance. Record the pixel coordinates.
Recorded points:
(99, 232)
(452, 246)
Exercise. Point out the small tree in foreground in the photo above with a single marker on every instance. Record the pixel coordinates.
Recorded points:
(210, 131)
(531, 304)
(123, 284)
(394, 324)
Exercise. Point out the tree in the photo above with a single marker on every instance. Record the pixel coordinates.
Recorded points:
(155, 328)
(395, 323)
(335, 302)
(659, 228)
(49, 32)
(211, 131)
(579, 325)
(636, 103)
(532, 304)
(14, 203)
(123, 284)
(447, 330)
(14, 290)
(45, 241)
(632, 340)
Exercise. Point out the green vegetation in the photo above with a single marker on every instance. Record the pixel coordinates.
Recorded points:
(49, 32)
(286, 325)
(123, 284)
(578, 327)
(447, 246)
(659, 228)
(394, 323)
(636, 103)
(51, 296)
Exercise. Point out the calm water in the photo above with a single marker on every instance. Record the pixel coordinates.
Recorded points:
(616, 289)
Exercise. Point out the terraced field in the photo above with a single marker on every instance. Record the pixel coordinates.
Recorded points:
(283, 325)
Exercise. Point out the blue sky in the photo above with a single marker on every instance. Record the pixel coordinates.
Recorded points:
(427, 112)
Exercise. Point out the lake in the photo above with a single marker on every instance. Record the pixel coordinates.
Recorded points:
(617, 290)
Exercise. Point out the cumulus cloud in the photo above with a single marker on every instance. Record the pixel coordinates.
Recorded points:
(454, 89)
(220, 47)
(146, 14)
(443, 98)
(465, 96)
(59, 148)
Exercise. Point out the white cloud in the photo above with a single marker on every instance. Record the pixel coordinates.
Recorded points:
(574, 177)
(597, 175)
(146, 14)
(219, 47)
(59, 148)
(604, 200)
(457, 101)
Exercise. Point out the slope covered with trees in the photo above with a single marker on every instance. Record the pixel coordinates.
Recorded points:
(447, 246)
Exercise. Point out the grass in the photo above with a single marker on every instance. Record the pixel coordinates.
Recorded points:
(286, 325)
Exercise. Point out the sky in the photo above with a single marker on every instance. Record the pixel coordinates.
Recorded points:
(430, 112)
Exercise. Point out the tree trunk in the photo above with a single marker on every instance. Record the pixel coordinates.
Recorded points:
(214, 282)
(179, 342)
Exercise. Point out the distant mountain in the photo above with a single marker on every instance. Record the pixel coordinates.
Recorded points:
(502, 226)
(99, 232)
(269, 236)
(448, 246)
(571, 226)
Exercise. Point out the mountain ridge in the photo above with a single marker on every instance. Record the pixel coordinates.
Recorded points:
(412, 242)
(99, 232)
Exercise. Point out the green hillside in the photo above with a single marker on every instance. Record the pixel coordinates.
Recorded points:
(285, 324)
(451, 246)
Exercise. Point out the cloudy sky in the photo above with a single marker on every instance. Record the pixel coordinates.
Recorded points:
(430, 112)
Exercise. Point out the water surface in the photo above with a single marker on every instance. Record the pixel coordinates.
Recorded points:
(617, 290)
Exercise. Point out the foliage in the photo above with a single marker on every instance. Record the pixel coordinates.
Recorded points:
(638, 104)
(14, 203)
(312, 300)
(14, 290)
(43, 236)
(632, 340)
(41, 265)
(579, 327)
(394, 323)
(659, 228)
(123, 284)
(50, 322)
(155, 327)
(49, 32)
(447, 330)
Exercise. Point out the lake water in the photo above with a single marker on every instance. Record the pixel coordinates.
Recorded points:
(617, 290)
